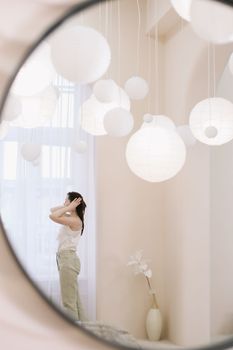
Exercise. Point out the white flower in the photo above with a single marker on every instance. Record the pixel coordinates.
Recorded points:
(148, 273)
(140, 265)
(136, 258)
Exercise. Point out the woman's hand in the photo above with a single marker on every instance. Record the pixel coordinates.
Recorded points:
(74, 203)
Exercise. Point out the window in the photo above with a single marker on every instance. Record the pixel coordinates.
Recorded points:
(10, 150)
(28, 191)
(55, 162)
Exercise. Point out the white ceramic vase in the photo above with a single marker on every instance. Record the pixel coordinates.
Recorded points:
(154, 324)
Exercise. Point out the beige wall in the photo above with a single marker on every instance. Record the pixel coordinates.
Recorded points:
(155, 11)
(190, 251)
(221, 240)
(186, 205)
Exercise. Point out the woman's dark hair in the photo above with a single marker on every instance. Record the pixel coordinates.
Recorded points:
(80, 209)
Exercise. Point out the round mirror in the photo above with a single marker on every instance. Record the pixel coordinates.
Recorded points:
(116, 174)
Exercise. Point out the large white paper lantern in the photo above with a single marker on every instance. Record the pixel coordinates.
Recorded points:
(182, 7)
(212, 21)
(136, 88)
(36, 73)
(118, 122)
(93, 112)
(80, 54)
(186, 135)
(12, 108)
(155, 154)
(105, 90)
(30, 151)
(211, 121)
(4, 127)
(37, 110)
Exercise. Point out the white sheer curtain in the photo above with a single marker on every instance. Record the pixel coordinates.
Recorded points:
(29, 191)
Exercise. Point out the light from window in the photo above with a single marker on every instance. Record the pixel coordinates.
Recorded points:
(9, 160)
(55, 162)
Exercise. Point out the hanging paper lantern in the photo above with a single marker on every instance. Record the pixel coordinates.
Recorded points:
(4, 126)
(80, 54)
(80, 147)
(12, 108)
(182, 7)
(212, 21)
(30, 151)
(230, 63)
(211, 132)
(36, 73)
(93, 112)
(211, 121)
(186, 135)
(37, 110)
(105, 90)
(136, 88)
(155, 154)
(118, 122)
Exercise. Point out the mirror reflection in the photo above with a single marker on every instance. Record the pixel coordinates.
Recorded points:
(116, 177)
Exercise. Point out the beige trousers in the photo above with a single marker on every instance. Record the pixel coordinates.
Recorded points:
(68, 264)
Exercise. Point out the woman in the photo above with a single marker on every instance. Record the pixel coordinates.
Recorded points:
(71, 217)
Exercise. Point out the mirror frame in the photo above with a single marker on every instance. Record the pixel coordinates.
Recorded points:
(74, 10)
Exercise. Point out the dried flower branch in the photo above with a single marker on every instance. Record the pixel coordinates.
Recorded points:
(140, 265)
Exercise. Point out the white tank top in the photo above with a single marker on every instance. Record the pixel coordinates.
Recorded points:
(67, 238)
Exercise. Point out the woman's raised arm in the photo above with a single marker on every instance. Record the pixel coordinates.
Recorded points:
(56, 208)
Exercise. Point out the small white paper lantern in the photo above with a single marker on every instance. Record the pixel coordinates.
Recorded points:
(136, 88)
(80, 54)
(4, 127)
(80, 147)
(38, 109)
(230, 63)
(186, 135)
(30, 151)
(93, 112)
(148, 118)
(36, 73)
(12, 108)
(155, 154)
(211, 132)
(105, 90)
(212, 21)
(118, 122)
(216, 113)
(182, 7)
